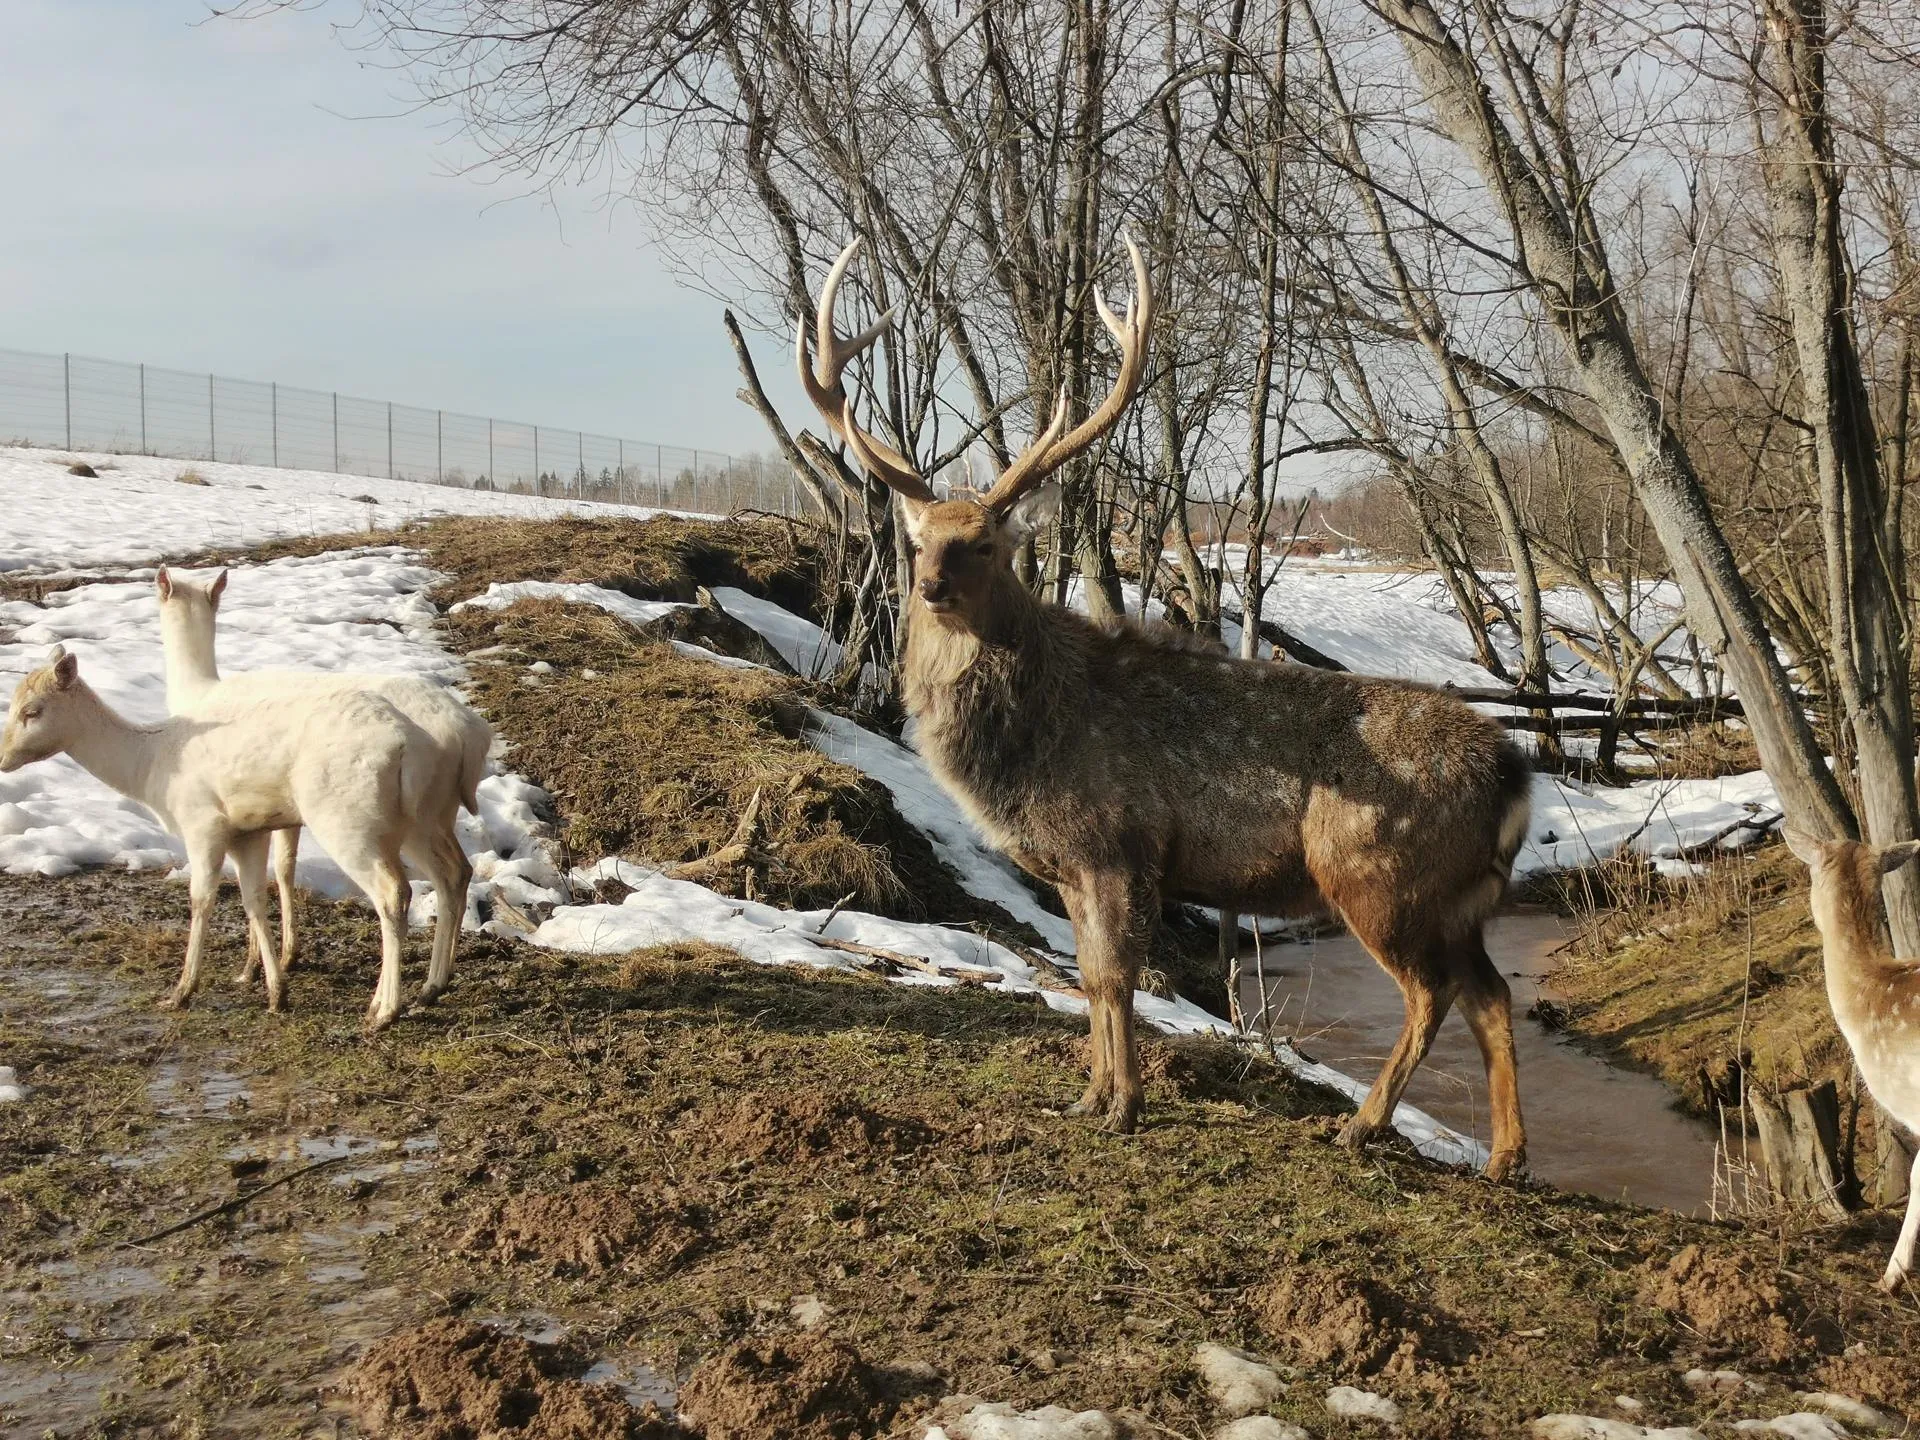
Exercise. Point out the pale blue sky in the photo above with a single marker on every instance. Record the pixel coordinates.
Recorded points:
(250, 197)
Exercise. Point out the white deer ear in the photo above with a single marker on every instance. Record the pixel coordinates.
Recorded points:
(163, 583)
(1803, 845)
(1033, 511)
(1896, 855)
(66, 668)
(218, 588)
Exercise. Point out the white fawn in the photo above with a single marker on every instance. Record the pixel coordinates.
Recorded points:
(188, 611)
(1875, 998)
(367, 780)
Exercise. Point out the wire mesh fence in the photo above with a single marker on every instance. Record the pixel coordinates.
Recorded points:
(77, 402)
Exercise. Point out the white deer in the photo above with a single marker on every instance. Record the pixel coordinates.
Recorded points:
(368, 781)
(189, 609)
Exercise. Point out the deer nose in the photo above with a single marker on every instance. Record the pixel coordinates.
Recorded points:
(933, 587)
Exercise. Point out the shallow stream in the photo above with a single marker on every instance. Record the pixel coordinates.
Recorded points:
(1591, 1126)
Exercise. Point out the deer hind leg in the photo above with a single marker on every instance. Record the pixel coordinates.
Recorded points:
(286, 852)
(439, 854)
(1487, 1003)
(1901, 1265)
(1427, 997)
(250, 860)
(1114, 914)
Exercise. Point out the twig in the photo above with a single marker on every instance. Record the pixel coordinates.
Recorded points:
(838, 905)
(233, 1204)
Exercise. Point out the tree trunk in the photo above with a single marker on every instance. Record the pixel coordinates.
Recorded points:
(1570, 278)
(1865, 600)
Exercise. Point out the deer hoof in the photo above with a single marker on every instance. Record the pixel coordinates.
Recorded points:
(378, 1020)
(1122, 1117)
(176, 1000)
(1893, 1281)
(1505, 1165)
(1355, 1134)
(430, 993)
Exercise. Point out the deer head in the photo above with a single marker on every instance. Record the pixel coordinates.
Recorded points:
(961, 547)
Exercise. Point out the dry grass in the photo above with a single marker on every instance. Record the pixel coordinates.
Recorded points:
(657, 755)
(1688, 978)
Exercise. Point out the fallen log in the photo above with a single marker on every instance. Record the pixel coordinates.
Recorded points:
(965, 974)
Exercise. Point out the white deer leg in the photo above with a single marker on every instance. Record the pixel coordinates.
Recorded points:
(250, 859)
(1901, 1265)
(206, 854)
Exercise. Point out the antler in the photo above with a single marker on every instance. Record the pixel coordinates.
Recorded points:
(1049, 450)
(820, 377)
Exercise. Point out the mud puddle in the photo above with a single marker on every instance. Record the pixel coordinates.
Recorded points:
(1592, 1127)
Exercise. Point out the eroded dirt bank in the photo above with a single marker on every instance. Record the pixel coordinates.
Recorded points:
(842, 1197)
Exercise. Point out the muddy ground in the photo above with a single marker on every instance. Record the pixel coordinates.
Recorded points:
(809, 1203)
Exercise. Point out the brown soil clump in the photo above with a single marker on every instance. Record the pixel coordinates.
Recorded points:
(1721, 1298)
(1326, 1317)
(797, 1388)
(803, 1126)
(584, 1231)
(455, 1380)
(1887, 1382)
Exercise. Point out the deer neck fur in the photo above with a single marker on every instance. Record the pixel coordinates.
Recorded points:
(1875, 997)
(997, 699)
(116, 752)
(188, 648)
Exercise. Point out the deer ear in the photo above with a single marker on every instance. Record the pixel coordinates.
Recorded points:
(163, 583)
(1898, 854)
(1033, 511)
(912, 511)
(66, 668)
(218, 588)
(1803, 845)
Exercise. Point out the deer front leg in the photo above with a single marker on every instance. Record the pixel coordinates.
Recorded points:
(206, 854)
(1114, 914)
(1901, 1265)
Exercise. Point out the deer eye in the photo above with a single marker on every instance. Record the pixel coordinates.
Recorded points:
(31, 712)
(984, 548)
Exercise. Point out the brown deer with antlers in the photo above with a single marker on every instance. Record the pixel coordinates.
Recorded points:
(1127, 770)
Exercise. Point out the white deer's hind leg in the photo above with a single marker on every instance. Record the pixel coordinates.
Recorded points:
(286, 853)
(250, 859)
(1901, 1265)
(447, 866)
(372, 861)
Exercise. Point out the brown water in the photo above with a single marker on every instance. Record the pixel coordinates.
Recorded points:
(1591, 1126)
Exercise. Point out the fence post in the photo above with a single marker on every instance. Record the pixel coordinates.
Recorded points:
(659, 478)
(275, 384)
(143, 407)
(389, 439)
(213, 445)
(580, 465)
(336, 432)
(620, 470)
(66, 391)
(538, 487)
(440, 446)
(493, 480)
